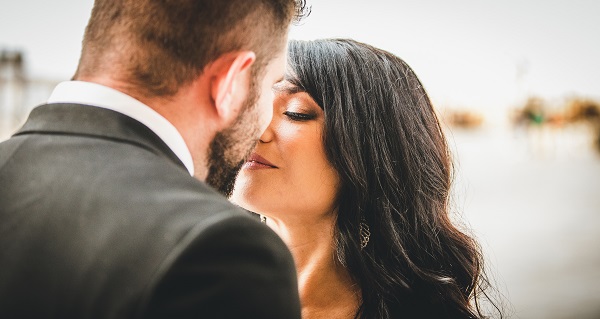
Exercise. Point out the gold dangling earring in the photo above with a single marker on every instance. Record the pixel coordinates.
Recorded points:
(365, 234)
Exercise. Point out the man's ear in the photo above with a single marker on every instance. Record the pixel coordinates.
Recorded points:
(229, 74)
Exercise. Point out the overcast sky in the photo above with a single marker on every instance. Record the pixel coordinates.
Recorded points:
(468, 53)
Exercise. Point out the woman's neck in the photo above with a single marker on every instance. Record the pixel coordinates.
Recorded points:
(326, 289)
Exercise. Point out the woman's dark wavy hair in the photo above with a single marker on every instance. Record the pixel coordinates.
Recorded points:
(384, 139)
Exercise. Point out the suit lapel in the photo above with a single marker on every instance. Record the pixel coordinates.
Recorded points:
(85, 120)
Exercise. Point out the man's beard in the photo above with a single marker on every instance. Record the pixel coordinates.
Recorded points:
(230, 147)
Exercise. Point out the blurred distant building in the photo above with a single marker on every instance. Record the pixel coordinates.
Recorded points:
(463, 118)
(587, 112)
(542, 120)
(12, 84)
(18, 93)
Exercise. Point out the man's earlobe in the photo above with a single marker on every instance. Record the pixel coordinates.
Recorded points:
(229, 74)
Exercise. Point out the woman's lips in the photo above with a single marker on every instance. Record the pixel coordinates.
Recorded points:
(256, 161)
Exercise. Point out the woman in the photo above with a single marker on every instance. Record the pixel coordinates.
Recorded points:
(354, 174)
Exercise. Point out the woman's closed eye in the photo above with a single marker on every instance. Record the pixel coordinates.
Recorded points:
(300, 117)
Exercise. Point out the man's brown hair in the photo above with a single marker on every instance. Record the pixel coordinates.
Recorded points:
(161, 45)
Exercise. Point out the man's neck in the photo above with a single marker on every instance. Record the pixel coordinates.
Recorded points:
(182, 110)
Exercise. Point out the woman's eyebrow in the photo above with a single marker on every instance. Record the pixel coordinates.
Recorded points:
(287, 88)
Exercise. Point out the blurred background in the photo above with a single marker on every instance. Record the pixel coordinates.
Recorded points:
(516, 84)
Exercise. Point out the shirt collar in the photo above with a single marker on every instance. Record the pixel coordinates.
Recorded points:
(97, 95)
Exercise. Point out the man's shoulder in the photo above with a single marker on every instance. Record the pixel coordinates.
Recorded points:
(227, 258)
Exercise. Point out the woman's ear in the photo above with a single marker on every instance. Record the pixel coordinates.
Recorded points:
(230, 82)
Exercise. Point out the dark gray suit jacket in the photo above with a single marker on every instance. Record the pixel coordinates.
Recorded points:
(100, 219)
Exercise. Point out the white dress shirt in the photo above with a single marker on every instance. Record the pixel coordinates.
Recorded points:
(97, 95)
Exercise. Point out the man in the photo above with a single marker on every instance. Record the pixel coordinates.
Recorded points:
(100, 216)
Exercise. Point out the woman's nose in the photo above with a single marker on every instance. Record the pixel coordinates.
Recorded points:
(268, 133)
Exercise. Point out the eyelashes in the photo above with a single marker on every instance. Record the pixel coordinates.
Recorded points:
(299, 117)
